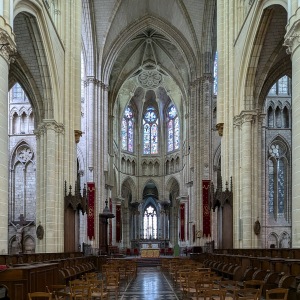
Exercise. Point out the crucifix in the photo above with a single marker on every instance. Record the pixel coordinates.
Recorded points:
(19, 226)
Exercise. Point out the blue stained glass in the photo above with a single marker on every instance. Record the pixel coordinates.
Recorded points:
(176, 135)
(173, 129)
(281, 186)
(216, 74)
(283, 86)
(127, 130)
(271, 186)
(170, 135)
(150, 123)
(124, 134)
(128, 113)
(130, 136)
(154, 139)
(172, 112)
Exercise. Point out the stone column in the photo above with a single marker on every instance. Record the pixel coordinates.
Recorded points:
(247, 118)
(7, 48)
(292, 41)
(50, 204)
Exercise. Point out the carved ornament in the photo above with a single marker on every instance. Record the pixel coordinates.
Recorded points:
(220, 127)
(49, 125)
(78, 134)
(7, 46)
(292, 38)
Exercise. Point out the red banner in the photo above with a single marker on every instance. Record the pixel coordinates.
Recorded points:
(118, 224)
(91, 210)
(182, 219)
(110, 224)
(206, 212)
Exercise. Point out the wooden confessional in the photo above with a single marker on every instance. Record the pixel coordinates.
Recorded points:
(223, 201)
(74, 204)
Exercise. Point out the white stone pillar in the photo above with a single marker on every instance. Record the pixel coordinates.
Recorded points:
(7, 48)
(292, 41)
(50, 204)
(246, 181)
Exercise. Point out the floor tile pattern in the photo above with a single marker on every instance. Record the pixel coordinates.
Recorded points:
(150, 284)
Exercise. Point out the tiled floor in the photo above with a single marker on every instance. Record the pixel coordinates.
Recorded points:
(150, 284)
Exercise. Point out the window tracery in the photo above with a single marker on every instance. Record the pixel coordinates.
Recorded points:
(127, 132)
(173, 129)
(150, 131)
(150, 223)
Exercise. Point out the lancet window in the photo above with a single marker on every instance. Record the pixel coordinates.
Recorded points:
(127, 132)
(150, 131)
(173, 129)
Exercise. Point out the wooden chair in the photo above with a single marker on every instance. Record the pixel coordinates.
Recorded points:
(277, 293)
(215, 294)
(98, 290)
(81, 292)
(112, 283)
(256, 284)
(43, 295)
(201, 289)
(61, 295)
(246, 293)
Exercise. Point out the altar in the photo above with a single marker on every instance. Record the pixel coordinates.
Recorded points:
(149, 252)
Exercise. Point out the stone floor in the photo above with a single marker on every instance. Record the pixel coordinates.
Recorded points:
(150, 284)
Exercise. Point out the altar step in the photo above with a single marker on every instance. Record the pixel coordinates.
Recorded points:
(148, 262)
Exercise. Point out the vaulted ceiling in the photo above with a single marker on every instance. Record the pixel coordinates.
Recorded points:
(137, 35)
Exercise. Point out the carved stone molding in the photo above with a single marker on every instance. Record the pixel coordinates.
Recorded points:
(292, 38)
(220, 127)
(237, 121)
(78, 134)
(91, 80)
(49, 125)
(7, 46)
(247, 116)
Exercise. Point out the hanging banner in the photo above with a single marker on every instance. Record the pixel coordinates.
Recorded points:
(91, 210)
(118, 224)
(110, 225)
(182, 214)
(206, 211)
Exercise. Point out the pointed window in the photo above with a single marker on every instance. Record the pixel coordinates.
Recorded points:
(150, 130)
(277, 169)
(173, 129)
(150, 223)
(216, 74)
(127, 131)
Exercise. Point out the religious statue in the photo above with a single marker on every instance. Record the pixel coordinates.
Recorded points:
(19, 234)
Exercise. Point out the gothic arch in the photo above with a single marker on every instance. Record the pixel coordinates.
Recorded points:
(128, 187)
(139, 26)
(265, 18)
(172, 187)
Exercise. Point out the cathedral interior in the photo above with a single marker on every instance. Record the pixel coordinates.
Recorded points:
(132, 123)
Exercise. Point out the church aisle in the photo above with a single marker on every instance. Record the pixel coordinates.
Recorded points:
(150, 284)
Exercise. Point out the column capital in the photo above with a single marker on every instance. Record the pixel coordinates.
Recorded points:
(292, 38)
(7, 46)
(247, 116)
(48, 124)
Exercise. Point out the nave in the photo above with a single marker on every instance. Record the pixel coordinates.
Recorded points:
(149, 284)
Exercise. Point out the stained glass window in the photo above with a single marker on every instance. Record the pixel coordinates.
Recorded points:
(150, 223)
(216, 74)
(150, 130)
(17, 94)
(173, 129)
(127, 131)
(281, 87)
(277, 178)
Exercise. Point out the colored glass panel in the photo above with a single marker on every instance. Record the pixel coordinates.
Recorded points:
(127, 130)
